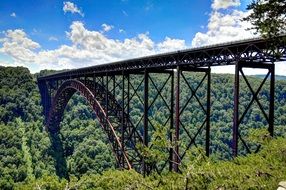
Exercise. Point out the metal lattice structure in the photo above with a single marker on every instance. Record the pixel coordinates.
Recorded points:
(110, 91)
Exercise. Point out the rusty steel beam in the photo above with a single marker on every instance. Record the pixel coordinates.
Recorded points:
(177, 121)
(208, 114)
(123, 114)
(171, 122)
(235, 112)
(272, 97)
(145, 133)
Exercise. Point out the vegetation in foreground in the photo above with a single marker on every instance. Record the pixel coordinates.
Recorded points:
(256, 171)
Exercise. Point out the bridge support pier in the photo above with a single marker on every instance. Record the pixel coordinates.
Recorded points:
(237, 119)
(145, 120)
(179, 109)
(157, 87)
(45, 98)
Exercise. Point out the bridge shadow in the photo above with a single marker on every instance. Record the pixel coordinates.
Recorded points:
(58, 154)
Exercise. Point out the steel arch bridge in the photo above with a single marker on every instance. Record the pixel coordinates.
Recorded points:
(110, 91)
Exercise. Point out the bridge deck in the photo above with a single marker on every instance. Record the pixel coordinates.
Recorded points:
(255, 50)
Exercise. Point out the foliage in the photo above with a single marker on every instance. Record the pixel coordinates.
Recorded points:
(12, 166)
(29, 159)
(268, 17)
(157, 151)
(27, 150)
(255, 171)
(16, 85)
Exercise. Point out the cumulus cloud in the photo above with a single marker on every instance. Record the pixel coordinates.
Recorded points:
(223, 27)
(71, 7)
(224, 4)
(106, 27)
(17, 44)
(14, 64)
(88, 47)
(171, 44)
(13, 15)
(92, 47)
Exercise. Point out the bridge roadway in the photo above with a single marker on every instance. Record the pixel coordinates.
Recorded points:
(102, 84)
(256, 50)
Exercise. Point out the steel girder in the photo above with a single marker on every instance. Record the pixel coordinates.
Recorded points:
(252, 50)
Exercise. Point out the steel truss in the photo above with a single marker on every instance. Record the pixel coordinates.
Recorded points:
(144, 125)
(127, 155)
(181, 106)
(256, 50)
(153, 93)
(239, 118)
(112, 93)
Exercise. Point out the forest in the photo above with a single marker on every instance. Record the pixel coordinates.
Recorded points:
(28, 158)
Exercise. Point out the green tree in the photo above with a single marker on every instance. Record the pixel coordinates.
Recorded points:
(268, 17)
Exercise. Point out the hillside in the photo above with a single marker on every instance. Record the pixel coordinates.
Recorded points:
(277, 77)
(29, 158)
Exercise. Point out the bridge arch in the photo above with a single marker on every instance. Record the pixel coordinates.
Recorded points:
(59, 102)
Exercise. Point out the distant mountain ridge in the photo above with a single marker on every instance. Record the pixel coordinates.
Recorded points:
(277, 77)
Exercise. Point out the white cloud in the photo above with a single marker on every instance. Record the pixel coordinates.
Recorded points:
(171, 44)
(19, 46)
(53, 38)
(14, 64)
(223, 27)
(71, 7)
(88, 48)
(92, 47)
(249, 71)
(13, 15)
(224, 4)
(106, 27)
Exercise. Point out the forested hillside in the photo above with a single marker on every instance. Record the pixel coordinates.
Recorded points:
(28, 159)
(26, 149)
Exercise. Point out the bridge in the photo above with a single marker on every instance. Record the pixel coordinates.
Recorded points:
(110, 90)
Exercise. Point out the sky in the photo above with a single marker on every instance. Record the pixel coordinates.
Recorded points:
(55, 34)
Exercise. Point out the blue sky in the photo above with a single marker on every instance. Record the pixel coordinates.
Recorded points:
(54, 34)
(45, 18)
